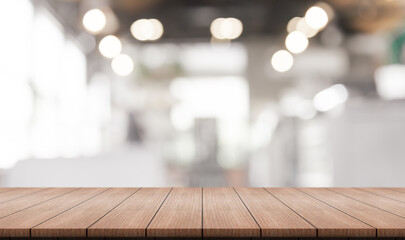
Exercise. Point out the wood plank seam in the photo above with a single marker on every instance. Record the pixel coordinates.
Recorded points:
(293, 211)
(38, 203)
(87, 229)
(339, 210)
(146, 229)
(67, 209)
(260, 228)
(365, 203)
(43, 189)
(365, 190)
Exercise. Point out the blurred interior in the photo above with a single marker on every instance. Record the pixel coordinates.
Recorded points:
(202, 93)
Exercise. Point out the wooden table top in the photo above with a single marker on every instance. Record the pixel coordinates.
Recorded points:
(202, 212)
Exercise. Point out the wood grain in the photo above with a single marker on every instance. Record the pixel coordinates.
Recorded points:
(20, 223)
(378, 201)
(179, 216)
(329, 221)
(73, 223)
(388, 193)
(17, 193)
(387, 224)
(225, 215)
(130, 218)
(193, 213)
(25, 202)
(274, 217)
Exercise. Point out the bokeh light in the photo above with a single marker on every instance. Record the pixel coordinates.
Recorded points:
(316, 17)
(110, 46)
(94, 21)
(329, 98)
(147, 29)
(122, 65)
(299, 24)
(282, 61)
(226, 28)
(296, 42)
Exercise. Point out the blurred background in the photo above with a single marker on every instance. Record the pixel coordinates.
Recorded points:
(202, 93)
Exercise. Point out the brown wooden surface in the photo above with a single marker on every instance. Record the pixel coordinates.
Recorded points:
(130, 218)
(74, 222)
(329, 221)
(202, 212)
(388, 193)
(26, 202)
(17, 193)
(224, 215)
(274, 217)
(20, 223)
(387, 224)
(179, 216)
(378, 201)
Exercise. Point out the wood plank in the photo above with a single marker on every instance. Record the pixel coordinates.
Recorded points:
(19, 204)
(130, 218)
(7, 189)
(386, 192)
(274, 217)
(17, 193)
(387, 224)
(329, 221)
(179, 216)
(225, 215)
(20, 223)
(73, 223)
(378, 201)
(398, 189)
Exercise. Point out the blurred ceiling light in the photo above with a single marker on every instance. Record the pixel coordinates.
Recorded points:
(94, 21)
(226, 28)
(122, 65)
(390, 81)
(110, 46)
(282, 61)
(308, 31)
(292, 24)
(328, 9)
(296, 42)
(331, 97)
(147, 29)
(316, 17)
(299, 24)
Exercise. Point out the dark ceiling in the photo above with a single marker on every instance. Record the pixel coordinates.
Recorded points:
(190, 19)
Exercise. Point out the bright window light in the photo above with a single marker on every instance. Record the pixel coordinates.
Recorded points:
(215, 97)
